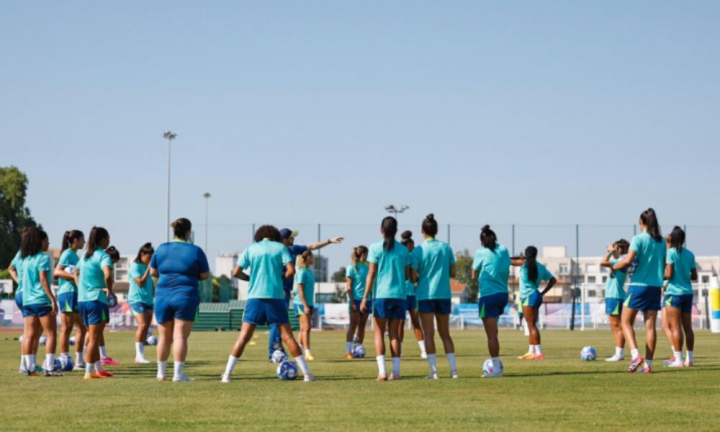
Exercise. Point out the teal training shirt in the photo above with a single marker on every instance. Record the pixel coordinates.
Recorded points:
(433, 259)
(493, 268)
(32, 266)
(306, 278)
(683, 263)
(359, 280)
(650, 255)
(391, 265)
(266, 261)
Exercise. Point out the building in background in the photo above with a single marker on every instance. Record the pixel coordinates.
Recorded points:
(225, 263)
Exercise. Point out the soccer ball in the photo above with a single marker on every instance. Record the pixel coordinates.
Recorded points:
(70, 269)
(72, 340)
(278, 357)
(489, 369)
(66, 364)
(152, 340)
(588, 354)
(358, 351)
(57, 366)
(43, 340)
(112, 300)
(287, 370)
(633, 266)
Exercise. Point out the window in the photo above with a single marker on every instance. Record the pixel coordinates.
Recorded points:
(592, 293)
(592, 268)
(706, 279)
(564, 269)
(604, 279)
(592, 279)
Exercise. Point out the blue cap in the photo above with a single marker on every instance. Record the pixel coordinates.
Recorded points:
(287, 233)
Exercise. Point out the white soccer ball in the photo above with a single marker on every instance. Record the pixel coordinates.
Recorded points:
(43, 340)
(358, 351)
(489, 369)
(287, 370)
(152, 340)
(278, 357)
(588, 354)
(72, 340)
(70, 269)
(66, 364)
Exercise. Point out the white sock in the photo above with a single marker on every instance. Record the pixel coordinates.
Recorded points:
(619, 351)
(103, 352)
(421, 344)
(648, 362)
(531, 349)
(139, 350)
(538, 349)
(451, 360)
(381, 364)
(303, 364)
(635, 353)
(25, 363)
(232, 361)
(22, 362)
(162, 366)
(33, 362)
(80, 355)
(348, 347)
(307, 352)
(90, 368)
(64, 355)
(50, 361)
(99, 366)
(396, 365)
(495, 362)
(689, 357)
(179, 369)
(677, 355)
(432, 362)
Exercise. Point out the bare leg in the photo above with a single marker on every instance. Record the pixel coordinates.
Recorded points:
(380, 324)
(30, 333)
(180, 338)
(49, 325)
(143, 324)
(531, 314)
(245, 336)
(393, 327)
(427, 320)
(626, 320)
(92, 349)
(650, 335)
(354, 319)
(665, 325)
(417, 328)
(689, 333)
(80, 333)
(67, 321)
(289, 340)
(617, 332)
(672, 314)
(443, 323)
(491, 330)
(361, 327)
(165, 340)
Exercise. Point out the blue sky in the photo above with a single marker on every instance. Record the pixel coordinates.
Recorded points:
(311, 112)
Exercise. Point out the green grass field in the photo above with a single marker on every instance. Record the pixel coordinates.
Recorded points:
(560, 393)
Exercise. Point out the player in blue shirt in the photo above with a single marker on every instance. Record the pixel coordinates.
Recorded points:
(39, 306)
(615, 295)
(412, 301)
(67, 292)
(269, 261)
(178, 265)
(491, 267)
(532, 274)
(356, 277)
(287, 237)
(680, 271)
(389, 269)
(140, 298)
(645, 290)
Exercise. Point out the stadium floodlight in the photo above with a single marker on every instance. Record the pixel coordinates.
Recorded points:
(394, 210)
(207, 196)
(168, 135)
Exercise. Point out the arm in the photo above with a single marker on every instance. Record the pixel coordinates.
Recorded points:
(348, 287)
(62, 274)
(289, 270)
(414, 276)
(322, 244)
(370, 282)
(517, 261)
(48, 291)
(453, 271)
(693, 274)
(204, 276)
(625, 263)
(237, 272)
(108, 279)
(13, 273)
(142, 279)
(550, 284)
(669, 271)
(301, 293)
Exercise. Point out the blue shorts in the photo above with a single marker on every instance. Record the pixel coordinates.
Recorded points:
(36, 310)
(534, 300)
(181, 305)
(18, 300)
(140, 308)
(94, 312)
(613, 306)
(68, 302)
(682, 302)
(492, 306)
(436, 306)
(643, 298)
(412, 303)
(300, 310)
(261, 312)
(369, 305)
(388, 308)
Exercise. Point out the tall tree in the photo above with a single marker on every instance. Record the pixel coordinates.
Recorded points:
(14, 216)
(339, 275)
(463, 267)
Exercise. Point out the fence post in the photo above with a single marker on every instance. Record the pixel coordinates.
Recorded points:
(448, 234)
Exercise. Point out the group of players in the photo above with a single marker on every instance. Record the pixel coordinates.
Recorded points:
(387, 280)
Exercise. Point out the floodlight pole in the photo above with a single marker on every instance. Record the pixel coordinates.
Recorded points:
(169, 136)
(207, 196)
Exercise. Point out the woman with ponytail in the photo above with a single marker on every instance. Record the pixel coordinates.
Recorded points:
(433, 264)
(645, 290)
(491, 267)
(304, 301)
(389, 269)
(140, 297)
(15, 270)
(615, 295)
(411, 293)
(67, 292)
(356, 277)
(95, 284)
(532, 274)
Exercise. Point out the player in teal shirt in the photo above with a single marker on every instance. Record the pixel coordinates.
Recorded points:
(532, 274)
(645, 290)
(615, 294)
(433, 264)
(269, 262)
(491, 267)
(304, 299)
(95, 283)
(680, 271)
(72, 242)
(15, 270)
(355, 278)
(389, 269)
(39, 306)
(412, 301)
(140, 298)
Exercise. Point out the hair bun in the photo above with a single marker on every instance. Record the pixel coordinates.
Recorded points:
(407, 235)
(430, 217)
(485, 228)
